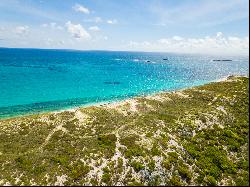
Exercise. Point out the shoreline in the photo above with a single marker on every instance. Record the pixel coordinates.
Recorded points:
(117, 102)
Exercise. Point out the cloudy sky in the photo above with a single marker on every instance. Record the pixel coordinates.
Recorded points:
(190, 26)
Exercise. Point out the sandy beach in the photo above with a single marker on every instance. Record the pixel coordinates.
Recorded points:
(133, 101)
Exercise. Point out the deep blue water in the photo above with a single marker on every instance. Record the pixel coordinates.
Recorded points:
(35, 80)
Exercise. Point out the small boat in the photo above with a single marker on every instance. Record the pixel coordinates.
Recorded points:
(222, 60)
(165, 59)
(227, 60)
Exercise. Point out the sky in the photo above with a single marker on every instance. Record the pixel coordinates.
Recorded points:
(183, 26)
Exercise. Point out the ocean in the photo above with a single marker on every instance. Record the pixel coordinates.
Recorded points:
(39, 80)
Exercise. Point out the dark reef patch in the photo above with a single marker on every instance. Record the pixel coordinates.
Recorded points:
(112, 82)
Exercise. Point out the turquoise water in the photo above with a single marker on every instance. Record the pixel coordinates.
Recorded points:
(35, 80)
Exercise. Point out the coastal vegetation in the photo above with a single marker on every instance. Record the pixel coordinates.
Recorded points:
(196, 136)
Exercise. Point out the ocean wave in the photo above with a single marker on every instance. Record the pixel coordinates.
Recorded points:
(118, 59)
(135, 60)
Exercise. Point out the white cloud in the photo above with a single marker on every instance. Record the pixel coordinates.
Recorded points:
(219, 34)
(49, 41)
(77, 31)
(133, 43)
(98, 19)
(99, 39)
(177, 38)
(81, 8)
(94, 20)
(114, 21)
(164, 41)
(218, 44)
(22, 30)
(56, 26)
(94, 28)
(1, 31)
(52, 25)
(61, 42)
(44, 25)
(59, 27)
(53, 43)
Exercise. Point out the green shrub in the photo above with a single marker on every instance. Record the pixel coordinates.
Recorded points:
(60, 159)
(175, 181)
(155, 181)
(210, 180)
(135, 184)
(173, 156)
(106, 140)
(155, 151)
(167, 165)
(107, 144)
(137, 166)
(106, 177)
(184, 172)
(39, 169)
(151, 165)
(78, 171)
(24, 163)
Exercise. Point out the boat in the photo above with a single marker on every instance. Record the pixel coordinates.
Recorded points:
(222, 60)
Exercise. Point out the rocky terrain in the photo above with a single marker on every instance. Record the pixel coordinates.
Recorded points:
(197, 136)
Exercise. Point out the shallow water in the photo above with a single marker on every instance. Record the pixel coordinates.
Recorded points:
(35, 80)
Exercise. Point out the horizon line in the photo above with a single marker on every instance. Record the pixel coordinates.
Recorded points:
(109, 50)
